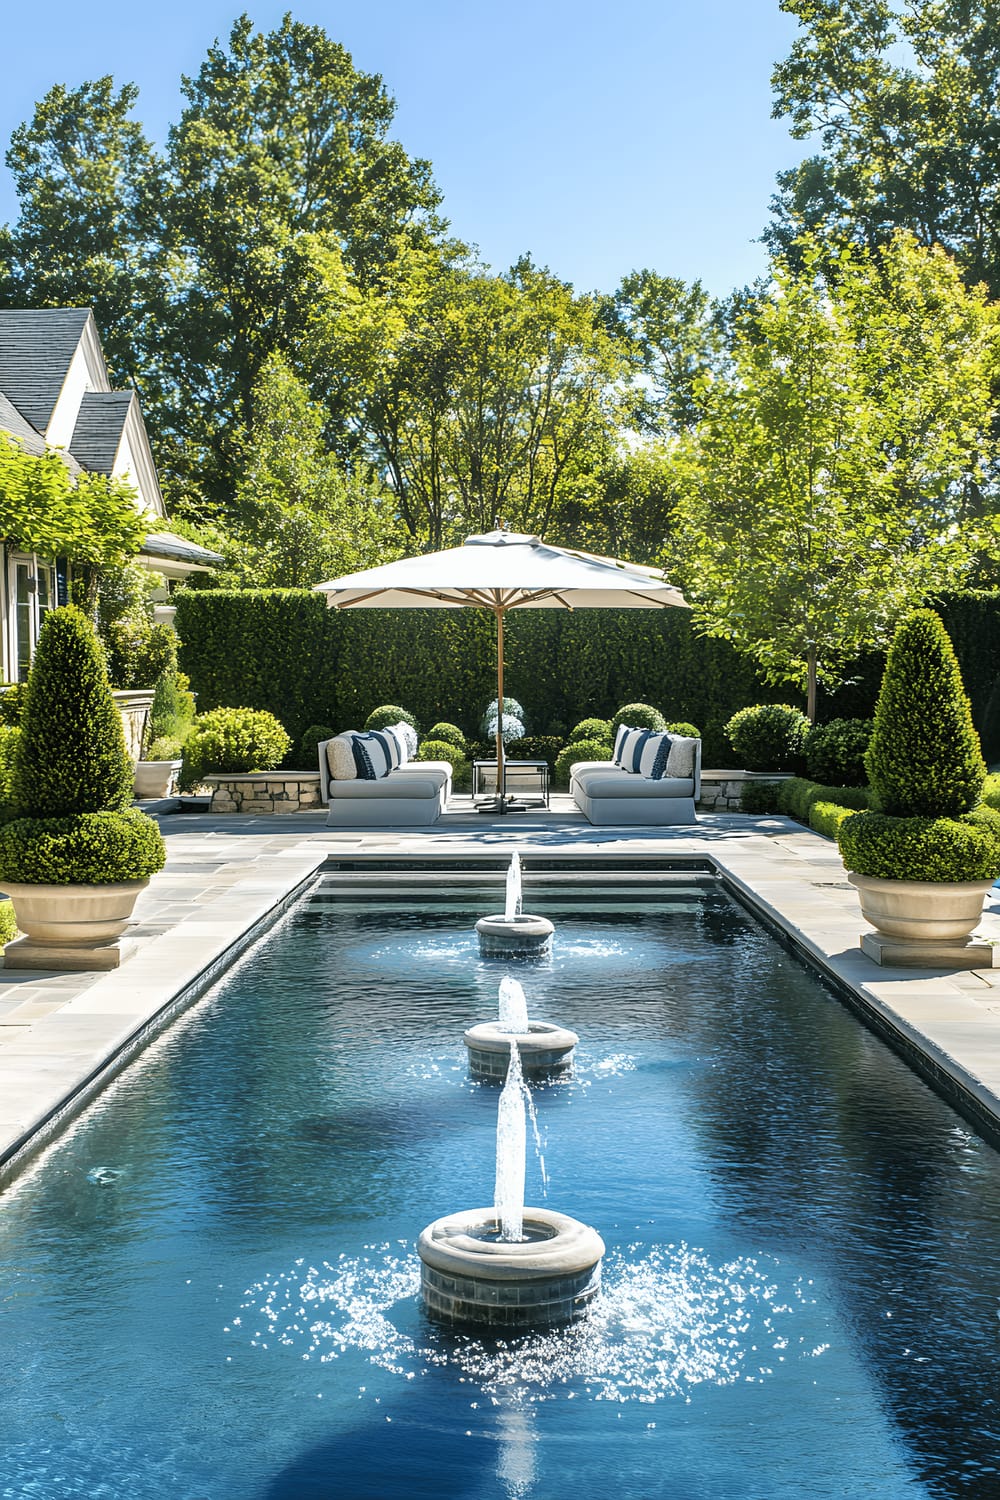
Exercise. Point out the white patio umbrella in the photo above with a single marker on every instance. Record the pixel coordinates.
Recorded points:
(501, 571)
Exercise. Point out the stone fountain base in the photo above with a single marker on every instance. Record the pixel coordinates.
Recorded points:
(545, 1050)
(515, 937)
(469, 1275)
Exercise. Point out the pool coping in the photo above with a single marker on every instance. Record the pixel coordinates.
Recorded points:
(229, 879)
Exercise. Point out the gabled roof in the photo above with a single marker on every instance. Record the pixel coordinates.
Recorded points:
(37, 346)
(31, 441)
(99, 425)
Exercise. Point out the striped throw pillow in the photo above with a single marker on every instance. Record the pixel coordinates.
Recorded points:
(374, 754)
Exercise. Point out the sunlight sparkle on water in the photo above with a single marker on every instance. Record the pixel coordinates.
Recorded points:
(667, 1321)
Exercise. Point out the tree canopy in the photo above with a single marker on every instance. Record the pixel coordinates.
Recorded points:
(826, 481)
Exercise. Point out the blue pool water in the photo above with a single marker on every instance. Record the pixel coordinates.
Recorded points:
(208, 1290)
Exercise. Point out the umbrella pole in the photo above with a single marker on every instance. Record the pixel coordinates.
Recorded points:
(501, 772)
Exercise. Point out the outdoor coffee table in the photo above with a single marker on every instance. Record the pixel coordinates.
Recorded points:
(523, 779)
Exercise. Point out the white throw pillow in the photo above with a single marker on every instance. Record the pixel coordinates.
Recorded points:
(340, 758)
(680, 761)
(616, 754)
(406, 737)
(630, 749)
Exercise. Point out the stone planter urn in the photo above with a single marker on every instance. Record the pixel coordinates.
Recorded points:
(70, 927)
(155, 778)
(923, 922)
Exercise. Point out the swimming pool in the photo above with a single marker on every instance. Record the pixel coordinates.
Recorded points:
(210, 1286)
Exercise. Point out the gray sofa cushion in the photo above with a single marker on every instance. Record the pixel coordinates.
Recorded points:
(602, 779)
(387, 788)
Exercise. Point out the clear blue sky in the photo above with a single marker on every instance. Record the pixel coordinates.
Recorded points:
(599, 137)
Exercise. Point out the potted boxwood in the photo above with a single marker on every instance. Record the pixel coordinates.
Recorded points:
(76, 854)
(925, 855)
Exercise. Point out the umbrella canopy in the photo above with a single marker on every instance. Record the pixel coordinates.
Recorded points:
(500, 571)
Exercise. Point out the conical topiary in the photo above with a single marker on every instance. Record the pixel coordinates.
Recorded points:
(924, 757)
(72, 756)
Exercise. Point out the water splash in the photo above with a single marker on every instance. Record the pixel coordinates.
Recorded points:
(667, 1321)
(508, 1192)
(512, 905)
(513, 1007)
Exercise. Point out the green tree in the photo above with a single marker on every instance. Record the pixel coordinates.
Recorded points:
(903, 98)
(297, 517)
(824, 489)
(279, 183)
(86, 180)
(672, 330)
(484, 398)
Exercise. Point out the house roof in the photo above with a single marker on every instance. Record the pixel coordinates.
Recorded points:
(98, 431)
(31, 441)
(36, 349)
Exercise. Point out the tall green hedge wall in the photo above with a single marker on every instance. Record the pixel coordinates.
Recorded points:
(284, 650)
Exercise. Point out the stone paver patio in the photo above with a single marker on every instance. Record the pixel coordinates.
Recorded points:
(64, 1036)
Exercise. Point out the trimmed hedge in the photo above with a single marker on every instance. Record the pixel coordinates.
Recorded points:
(637, 716)
(100, 848)
(920, 848)
(450, 733)
(835, 752)
(284, 650)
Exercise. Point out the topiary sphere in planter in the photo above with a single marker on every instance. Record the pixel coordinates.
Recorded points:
(101, 848)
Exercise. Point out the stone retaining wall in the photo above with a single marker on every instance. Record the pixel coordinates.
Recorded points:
(265, 792)
(721, 790)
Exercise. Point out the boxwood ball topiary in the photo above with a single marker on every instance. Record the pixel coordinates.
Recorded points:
(768, 736)
(581, 750)
(71, 757)
(441, 750)
(835, 752)
(590, 729)
(924, 757)
(450, 733)
(638, 716)
(389, 713)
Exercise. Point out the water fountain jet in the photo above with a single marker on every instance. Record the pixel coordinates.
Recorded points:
(509, 1266)
(515, 934)
(546, 1050)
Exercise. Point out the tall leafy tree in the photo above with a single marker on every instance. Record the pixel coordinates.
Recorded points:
(297, 516)
(902, 94)
(87, 179)
(280, 166)
(825, 487)
(485, 398)
(673, 332)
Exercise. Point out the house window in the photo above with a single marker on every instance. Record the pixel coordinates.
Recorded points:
(32, 592)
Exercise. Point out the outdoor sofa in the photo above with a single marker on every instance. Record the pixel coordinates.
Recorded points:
(617, 791)
(406, 795)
